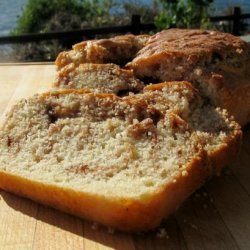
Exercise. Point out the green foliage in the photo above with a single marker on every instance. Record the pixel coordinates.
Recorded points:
(37, 13)
(60, 15)
(57, 15)
(183, 14)
(101, 13)
(41, 16)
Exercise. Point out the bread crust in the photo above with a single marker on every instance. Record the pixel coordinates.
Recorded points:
(118, 49)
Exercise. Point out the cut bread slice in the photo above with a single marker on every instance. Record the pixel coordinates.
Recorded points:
(219, 134)
(99, 78)
(123, 162)
(216, 63)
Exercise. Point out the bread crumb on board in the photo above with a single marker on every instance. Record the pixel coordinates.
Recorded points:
(162, 233)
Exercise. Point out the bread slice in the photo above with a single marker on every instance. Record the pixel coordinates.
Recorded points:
(123, 162)
(216, 63)
(218, 133)
(94, 64)
(118, 49)
(99, 78)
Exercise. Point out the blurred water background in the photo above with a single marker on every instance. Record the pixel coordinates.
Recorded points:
(9, 11)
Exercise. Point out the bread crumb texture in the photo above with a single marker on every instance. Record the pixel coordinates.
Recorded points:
(95, 143)
(99, 78)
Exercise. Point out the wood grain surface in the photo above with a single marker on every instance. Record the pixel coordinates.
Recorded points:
(216, 217)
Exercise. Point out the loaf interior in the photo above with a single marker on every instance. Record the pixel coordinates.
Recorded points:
(97, 143)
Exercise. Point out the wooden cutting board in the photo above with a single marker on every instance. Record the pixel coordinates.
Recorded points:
(216, 217)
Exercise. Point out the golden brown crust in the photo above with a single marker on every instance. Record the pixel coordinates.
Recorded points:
(119, 50)
(66, 92)
(108, 96)
(178, 84)
(195, 45)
